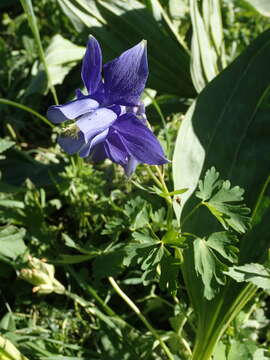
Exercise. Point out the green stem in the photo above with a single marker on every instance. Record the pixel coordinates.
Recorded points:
(28, 9)
(153, 176)
(137, 311)
(90, 290)
(164, 186)
(26, 108)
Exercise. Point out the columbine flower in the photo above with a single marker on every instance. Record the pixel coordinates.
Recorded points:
(110, 121)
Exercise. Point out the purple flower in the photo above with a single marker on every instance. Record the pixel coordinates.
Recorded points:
(110, 121)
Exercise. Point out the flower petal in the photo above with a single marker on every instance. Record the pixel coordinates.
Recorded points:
(70, 144)
(115, 149)
(79, 93)
(131, 166)
(139, 141)
(98, 153)
(91, 66)
(92, 124)
(72, 109)
(125, 76)
(86, 150)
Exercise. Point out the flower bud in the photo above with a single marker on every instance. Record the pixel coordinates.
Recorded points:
(41, 274)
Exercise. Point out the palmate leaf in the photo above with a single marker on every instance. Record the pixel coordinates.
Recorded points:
(257, 274)
(147, 255)
(5, 144)
(155, 261)
(261, 6)
(11, 242)
(209, 258)
(169, 270)
(221, 199)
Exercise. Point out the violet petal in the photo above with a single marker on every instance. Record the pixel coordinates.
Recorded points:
(139, 141)
(91, 66)
(98, 153)
(115, 148)
(71, 145)
(131, 166)
(87, 149)
(125, 76)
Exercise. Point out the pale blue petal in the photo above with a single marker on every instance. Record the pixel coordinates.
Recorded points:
(71, 110)
(92, 124)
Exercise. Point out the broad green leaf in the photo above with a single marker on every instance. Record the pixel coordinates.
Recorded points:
(257, 274)
(130, 22)
(261, 6)
(224, 243)
(222, 128)
(82, 13)
(213, 22)
(11, 242)
(61, 56)
(227, 127)
(21, 166)
(206, 43)
(223, 201)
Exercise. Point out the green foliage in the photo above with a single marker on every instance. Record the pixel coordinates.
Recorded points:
(210, 257)
(61, 56)
(262, 6)
(220, 199)
(11, 242)
(132, 17)
(226, 128)
(257, 274)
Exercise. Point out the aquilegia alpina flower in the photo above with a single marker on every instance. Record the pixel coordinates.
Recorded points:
(110, 121)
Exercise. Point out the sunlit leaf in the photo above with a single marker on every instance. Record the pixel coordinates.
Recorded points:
(257, 274)
(224, 201)
(208, 260)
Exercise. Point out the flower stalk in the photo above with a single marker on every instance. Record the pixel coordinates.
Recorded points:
(137, 311)
(28, 9)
